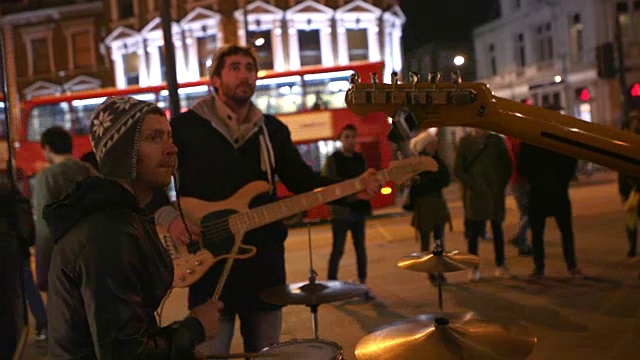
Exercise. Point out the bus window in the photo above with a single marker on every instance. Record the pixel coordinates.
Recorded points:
(82, 111)
(315, 154)
(326, 90)
(189, 95)
(43, 117)
(279, 95)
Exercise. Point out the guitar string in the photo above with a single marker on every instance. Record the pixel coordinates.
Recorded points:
(220, 227)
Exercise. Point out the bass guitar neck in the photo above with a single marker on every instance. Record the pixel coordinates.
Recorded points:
(434, 104)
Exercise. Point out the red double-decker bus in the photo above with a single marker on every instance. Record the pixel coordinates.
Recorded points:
(310, 101)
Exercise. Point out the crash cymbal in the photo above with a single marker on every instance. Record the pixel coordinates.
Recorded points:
(448, 336)
(448, 261)
(305, 293)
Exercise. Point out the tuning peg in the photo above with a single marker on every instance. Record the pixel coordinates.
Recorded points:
(394, 78)
(434, 77)
(414, 77)
(456, 78)
(374, 78)
(354, 78)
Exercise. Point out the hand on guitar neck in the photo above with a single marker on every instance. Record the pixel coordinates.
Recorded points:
(223, 224)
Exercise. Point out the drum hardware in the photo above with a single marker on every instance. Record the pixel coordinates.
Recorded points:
(295, 349)
(312, 293)
(446, 335)
(438, 262)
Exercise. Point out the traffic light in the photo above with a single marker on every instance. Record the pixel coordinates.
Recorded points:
(605, 61)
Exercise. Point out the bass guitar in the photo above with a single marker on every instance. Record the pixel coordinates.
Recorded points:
(224, 222)
(420, 105)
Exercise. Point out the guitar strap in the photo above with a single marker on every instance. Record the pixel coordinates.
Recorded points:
(267, 159)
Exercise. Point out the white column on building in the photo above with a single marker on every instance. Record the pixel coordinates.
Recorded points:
(193, 61)
(181, 65)
(343, 44)
(118, 67)
(373, 43)
(397, 49)
(388, 64)
(154, 65)
(143, 73)
(326, 45)
(277, 47)
(294, 48)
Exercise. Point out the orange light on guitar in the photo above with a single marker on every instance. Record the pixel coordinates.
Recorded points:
(434, 103)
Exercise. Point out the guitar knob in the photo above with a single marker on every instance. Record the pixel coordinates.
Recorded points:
(198, 262)
(434, 77)
(190, 271)
(181, 279)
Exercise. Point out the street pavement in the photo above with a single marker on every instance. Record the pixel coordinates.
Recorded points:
(592, 318)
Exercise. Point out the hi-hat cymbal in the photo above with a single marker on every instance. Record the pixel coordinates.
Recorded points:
(447, 337)
(448, 261)
(305, 293)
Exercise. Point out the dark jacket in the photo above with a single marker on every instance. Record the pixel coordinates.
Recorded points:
(430, 209)
(213, 168)
(51, 184)
(430, 183)
(549, 174)
(108, 276)
(483, 169)
(626, 184)
(341, 167)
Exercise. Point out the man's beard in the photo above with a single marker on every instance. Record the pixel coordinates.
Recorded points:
(232, 95)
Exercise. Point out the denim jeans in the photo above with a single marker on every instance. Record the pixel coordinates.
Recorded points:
(34, 300)
(340, 227)
(475, 229)
(259, 330)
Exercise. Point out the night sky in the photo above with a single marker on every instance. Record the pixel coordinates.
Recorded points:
(444, 20)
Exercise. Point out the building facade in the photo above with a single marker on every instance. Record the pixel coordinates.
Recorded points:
(544, 52)
(54, 46)
(286, 34)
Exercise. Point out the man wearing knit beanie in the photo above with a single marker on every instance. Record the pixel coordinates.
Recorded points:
(108, 259)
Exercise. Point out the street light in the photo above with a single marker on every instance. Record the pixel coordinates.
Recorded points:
(458, 60)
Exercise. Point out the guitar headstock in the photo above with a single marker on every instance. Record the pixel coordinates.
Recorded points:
(403, 170)
(419, 104)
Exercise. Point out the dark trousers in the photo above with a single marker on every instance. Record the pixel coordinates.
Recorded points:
(34, 300)
(340, 227)
(538, 214)
(425, 237)
(474, 230)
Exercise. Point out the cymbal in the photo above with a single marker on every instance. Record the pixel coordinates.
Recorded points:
(448, 336)
(449, 261)
(304, 293)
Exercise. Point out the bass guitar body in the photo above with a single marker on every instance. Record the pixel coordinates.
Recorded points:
(217, 233)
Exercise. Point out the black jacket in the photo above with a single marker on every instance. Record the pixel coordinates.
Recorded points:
(212, 168)
(108, 276)
(548, 172)
(430, 183)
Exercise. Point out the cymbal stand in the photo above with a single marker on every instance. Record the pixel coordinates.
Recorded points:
(438, 251)
(312, 280)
